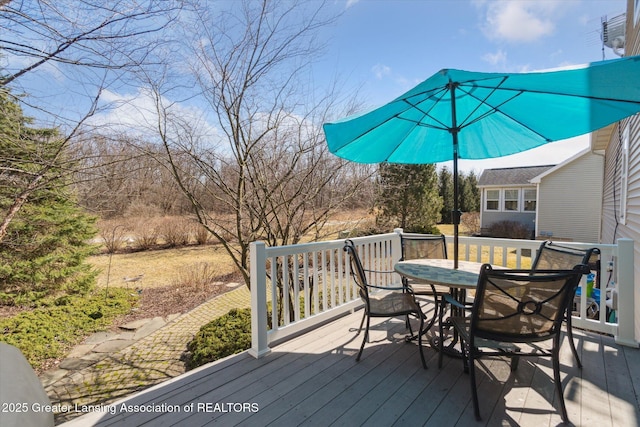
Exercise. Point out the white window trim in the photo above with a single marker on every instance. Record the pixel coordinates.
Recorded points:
(486, 199)
(624, 176)
(501, 199)
(517, 200)
(525, 189)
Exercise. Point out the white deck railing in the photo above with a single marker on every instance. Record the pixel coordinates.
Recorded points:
(320, 289)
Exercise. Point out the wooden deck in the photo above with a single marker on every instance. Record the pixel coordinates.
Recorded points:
(314, 380)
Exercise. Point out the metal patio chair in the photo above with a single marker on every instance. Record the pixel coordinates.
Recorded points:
(383, 301)
(552, 256)
(512, 309)
(421, 246)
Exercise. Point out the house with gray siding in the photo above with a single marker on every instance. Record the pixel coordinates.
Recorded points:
(507, 194)
(556, 202)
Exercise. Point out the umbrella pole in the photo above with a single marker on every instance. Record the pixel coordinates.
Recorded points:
(456, 214)
(454, 133)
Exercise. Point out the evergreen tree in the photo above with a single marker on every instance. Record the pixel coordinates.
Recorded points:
(46, 245)
(445, 183)
(470, 193)
(408, 197)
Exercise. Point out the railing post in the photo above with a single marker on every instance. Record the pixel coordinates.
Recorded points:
(396, 252)
(396, 246)
(258, 273)
(626, 295)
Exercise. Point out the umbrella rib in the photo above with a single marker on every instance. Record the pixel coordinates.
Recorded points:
(427, 113)
(493, 89)
(544, 92)
(496, 109)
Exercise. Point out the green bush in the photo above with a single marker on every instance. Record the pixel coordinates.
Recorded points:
(228, 334)
(57, 324)
(509, 230)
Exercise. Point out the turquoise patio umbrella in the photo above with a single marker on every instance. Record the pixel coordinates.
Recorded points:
(457, 114)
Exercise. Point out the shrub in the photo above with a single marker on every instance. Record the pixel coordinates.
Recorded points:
(197, 276)
(49, 330)
(114, 237)
(201, 234)
(471, 222)
(175, 231)
(422, 229)
(509, 230)
(146, 232)
(228, 334)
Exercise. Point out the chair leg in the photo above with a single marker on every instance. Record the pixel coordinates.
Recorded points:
(571, 342)
(472, 379)
(424, 362)
(364, 340)
(556, 378)
(514, 363)
(364, 314)
(441, 332)
(435, 313)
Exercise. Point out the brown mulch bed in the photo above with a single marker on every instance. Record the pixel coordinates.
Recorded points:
(174, 299)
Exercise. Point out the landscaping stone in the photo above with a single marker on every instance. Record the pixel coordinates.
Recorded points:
(112, 346)
(81, 350)
(150, 327)
(74, 363)
(100, 337)
(135, 325)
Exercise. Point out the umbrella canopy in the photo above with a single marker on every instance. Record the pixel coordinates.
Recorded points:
(470, 115)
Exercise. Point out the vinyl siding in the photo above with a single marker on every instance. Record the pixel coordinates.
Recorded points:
(612, 230)
(569, 200)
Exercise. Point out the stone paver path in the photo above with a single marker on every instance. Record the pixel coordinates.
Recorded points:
(109, 366)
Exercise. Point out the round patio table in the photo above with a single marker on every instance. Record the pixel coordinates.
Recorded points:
(441, 272)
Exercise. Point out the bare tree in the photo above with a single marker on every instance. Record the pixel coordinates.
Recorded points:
(268, 169)
(94, 45)
(82, 33)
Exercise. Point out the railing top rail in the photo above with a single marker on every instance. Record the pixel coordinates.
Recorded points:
(325, 245)
(526, 243)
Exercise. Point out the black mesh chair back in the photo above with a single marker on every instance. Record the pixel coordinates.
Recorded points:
(513, 307)
(358, 273)
(417, 246)
(552, 256)
(421, 246)
(385, 302)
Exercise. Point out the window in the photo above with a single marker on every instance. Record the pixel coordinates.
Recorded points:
(530, 196)
(511, 200)
(492, 200)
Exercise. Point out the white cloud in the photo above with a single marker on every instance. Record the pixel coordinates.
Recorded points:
(519, 21)
(380, 71)
(136, 114)
(497, 58)
(351, 3)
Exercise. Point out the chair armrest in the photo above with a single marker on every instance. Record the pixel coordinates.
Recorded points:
(392, 288)
(451, 300)
(380, 271)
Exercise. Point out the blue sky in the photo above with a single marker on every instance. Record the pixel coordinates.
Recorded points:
(385, 47)
(382, 48)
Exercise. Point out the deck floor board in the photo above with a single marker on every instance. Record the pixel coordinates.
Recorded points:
(314, 380)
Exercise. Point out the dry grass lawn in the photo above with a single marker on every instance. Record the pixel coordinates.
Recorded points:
(161, 267)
